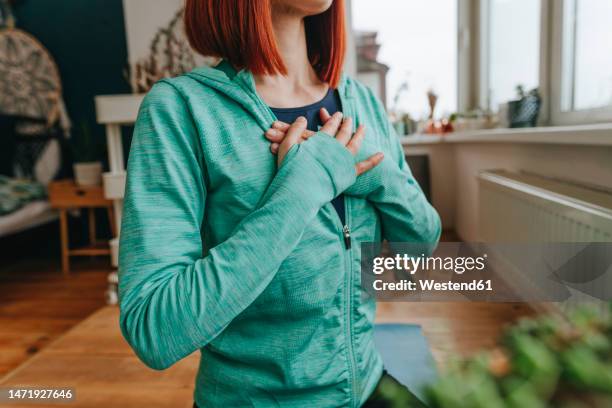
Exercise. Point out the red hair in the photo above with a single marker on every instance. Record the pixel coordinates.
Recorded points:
(240, 31)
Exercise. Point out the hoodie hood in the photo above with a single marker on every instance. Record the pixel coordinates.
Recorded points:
(240, 87)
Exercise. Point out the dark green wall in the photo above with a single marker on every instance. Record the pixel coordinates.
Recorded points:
(87, 39)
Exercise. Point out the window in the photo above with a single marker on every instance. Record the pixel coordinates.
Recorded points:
(581, 64)
(561, 47)
(510, 49)
(587, 60)
(404, 49)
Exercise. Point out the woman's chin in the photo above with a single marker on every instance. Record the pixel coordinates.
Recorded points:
(305, 7)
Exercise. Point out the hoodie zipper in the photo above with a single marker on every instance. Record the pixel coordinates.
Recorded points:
(346, 232)
(346, 244)
(348, 262)
(345, 100)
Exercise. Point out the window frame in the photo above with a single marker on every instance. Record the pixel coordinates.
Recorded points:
(559, 116)
(475, 14)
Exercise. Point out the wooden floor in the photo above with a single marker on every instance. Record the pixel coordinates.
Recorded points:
(455, 329)
(37, 303)
(94, 360)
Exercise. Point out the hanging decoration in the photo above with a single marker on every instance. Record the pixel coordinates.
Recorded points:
(170, 55)
(30, 84)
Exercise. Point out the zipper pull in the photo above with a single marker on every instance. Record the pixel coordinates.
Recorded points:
(346, 232)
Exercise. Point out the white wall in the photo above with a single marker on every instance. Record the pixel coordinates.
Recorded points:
(142, 20)
(350, 62)
(442, 168)
(372, 81)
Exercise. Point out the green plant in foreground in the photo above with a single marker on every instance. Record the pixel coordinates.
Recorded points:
(550, 361)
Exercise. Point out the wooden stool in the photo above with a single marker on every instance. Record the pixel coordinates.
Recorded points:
(65, 195)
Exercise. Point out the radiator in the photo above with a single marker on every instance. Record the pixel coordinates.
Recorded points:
(528, 208)
(525, 208)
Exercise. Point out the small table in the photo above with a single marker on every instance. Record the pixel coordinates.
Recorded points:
(65, 195)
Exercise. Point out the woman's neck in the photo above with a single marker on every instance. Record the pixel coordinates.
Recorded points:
(301, 86)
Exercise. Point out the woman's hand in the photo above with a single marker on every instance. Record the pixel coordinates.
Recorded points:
(277, 132)
(335, 126)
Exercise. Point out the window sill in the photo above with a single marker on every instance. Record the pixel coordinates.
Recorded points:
(585, 135)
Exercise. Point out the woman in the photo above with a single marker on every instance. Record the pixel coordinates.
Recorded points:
(241, 254)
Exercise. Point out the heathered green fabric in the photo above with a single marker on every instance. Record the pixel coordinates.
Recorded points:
(224, 253)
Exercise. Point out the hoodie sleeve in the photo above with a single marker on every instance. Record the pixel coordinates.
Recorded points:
(173, 301)
(405, 213)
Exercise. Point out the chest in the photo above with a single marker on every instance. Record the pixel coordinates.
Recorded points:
(238, 168)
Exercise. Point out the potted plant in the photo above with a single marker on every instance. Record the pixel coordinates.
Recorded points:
(87, 169)
(524, 111)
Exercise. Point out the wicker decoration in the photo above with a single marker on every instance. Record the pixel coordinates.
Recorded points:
(170, 55)
(31, 92)
(30, 84)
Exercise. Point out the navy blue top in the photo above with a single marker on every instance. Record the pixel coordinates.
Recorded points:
(331, 102)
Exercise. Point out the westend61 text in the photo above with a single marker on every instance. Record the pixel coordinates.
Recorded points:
(432, 285)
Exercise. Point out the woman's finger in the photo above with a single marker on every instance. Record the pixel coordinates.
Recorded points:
(308, 134)
(274, 148)
(332, 125)
(280, 128)
(324, 115)
(275, 135)
(292, 137)
(344, 134)
(294, 133)
(369, 163)
(355, 143)
(280, 125)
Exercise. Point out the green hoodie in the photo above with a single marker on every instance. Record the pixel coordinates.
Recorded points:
(223, 252)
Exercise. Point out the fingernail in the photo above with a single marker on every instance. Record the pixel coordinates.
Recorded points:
(301, 119)
(338, 115)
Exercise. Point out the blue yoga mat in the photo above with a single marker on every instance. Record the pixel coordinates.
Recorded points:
(406, 356)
